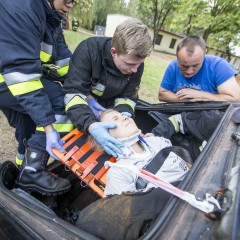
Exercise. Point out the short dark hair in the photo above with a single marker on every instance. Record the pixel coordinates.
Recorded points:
(190, 43)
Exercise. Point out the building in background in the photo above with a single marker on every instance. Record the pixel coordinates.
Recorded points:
(165, 41)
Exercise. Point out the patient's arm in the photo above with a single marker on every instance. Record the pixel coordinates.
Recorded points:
(120, 180)
(148, 135)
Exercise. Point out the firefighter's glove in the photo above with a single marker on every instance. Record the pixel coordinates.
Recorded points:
(54, 141)
(99, 131)
(96, 107)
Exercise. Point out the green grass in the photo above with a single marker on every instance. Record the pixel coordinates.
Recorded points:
(154, 69)
(74, 38)
(155, 66)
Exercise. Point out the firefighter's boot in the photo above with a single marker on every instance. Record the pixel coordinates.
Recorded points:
(34, 177)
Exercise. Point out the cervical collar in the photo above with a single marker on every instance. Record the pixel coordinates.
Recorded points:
(129, 141)
(127, 150)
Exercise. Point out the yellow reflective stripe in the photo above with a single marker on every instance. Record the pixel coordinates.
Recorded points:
(25, 87)
(175, 123)
(75, 101)
(18, 161)
(63, 70)
(1, 78)
(203, 145)
(97, 92)
(45, 57)
(125, 102)
(61, 128)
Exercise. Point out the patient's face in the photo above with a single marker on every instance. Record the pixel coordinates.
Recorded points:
(126, 127)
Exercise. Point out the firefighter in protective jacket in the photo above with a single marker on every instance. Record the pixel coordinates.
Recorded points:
(33, 57)
(106, 72)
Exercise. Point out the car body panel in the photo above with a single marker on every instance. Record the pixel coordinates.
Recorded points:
(217, 167)
(211, 172)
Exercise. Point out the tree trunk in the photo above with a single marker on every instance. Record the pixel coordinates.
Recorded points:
(228, 50)
(155, 7)
(207, 33)
(189, 25)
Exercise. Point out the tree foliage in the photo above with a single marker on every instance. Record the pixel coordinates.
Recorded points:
(155, 12)
(217, 21)
(94, 12)
(81, 8)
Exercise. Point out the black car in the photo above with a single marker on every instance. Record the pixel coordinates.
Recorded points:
(216, 171)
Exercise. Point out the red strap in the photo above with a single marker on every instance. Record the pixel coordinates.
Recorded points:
(89, 169)
(70, 163)
(69, 154)
(81, 151)
(91, 158)
(78, 172)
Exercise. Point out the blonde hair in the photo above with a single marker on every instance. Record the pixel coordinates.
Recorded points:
(94, 144)
(132, 37)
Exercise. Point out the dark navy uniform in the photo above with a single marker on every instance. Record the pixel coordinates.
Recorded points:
(93, 72)
(33, 55)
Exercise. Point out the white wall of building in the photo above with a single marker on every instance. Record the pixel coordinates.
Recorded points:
(113, 20)
(166, 41)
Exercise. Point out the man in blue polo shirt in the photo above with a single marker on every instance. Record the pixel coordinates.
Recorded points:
(194, 76)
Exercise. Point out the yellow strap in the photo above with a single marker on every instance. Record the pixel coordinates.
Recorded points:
(125, 102)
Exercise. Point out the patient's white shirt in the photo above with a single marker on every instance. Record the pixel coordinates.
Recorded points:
(123, 180)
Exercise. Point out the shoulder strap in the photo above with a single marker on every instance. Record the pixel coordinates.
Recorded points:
(159, 159)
